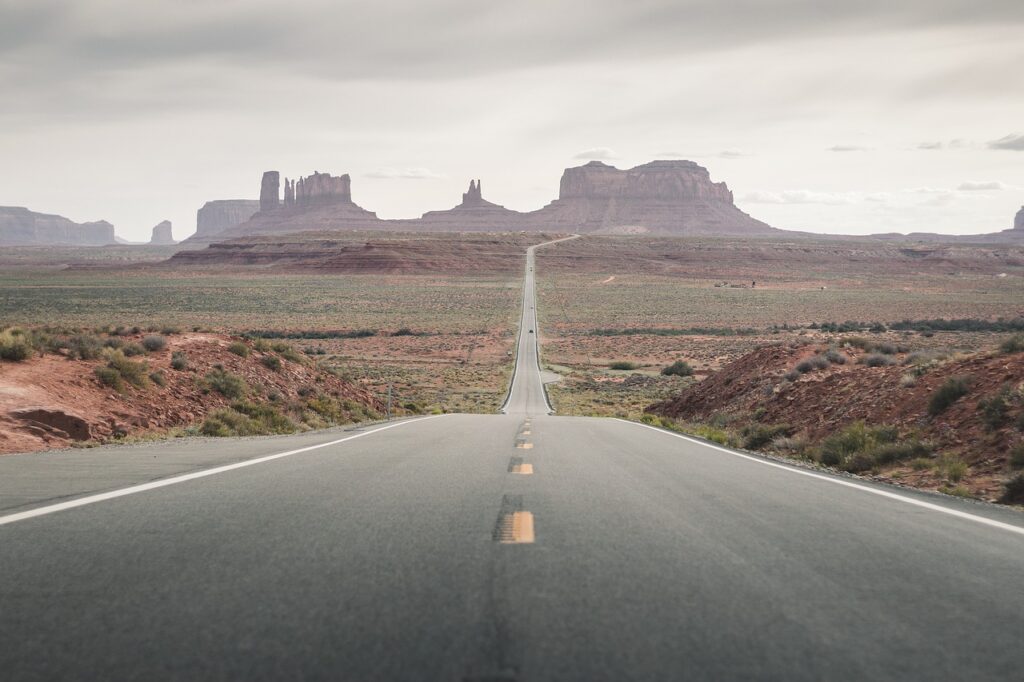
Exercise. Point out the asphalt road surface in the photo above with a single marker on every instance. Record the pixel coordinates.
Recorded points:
(519, 546)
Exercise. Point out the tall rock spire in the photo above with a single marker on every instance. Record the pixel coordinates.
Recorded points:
(270, 191)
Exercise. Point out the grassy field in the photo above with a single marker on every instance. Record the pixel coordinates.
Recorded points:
(652, 302)
(451, 353)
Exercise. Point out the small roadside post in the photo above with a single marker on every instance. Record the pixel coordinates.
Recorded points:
(389, 402)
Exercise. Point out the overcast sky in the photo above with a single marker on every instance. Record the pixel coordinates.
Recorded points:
(822, 115)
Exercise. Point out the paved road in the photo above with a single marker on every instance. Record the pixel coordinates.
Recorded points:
(406, 554)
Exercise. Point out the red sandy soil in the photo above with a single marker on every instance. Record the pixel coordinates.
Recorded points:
(52, 401)
(823, 402)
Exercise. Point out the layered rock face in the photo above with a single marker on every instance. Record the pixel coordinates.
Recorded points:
(661, 197)
(21, 226)
(270, 191)
(1018, 222)
(223, 214)
(318, 188)
(162, 234)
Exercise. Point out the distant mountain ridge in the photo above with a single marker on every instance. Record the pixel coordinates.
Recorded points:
(661, 197)
(20, 226)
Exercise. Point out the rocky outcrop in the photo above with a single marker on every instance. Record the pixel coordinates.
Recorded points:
(162, 234)
(1018, 222)
(21, 226)
(223, 214)
(660, 197)
(474, 214)
(270, 191)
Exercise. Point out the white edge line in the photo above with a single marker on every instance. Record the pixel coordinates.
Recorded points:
(152, 485)
(849, 484)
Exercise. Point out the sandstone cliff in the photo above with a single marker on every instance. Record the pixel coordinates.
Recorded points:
(1018, 222)
(474, 214)
(223, 214)
(660, 197)
(22, 226)
(162, 234)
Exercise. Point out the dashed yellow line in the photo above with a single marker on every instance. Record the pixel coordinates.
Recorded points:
(520, 529)
(524, 469)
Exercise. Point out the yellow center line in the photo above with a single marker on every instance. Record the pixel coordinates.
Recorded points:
(522, 529)
(525, 469)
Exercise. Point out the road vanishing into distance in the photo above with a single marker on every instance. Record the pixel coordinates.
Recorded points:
(518, 546)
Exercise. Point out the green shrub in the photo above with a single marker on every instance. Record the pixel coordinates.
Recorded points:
(1013, 492)
(859, 448)
(133, 349)
(876, 360)
(81, 347)
(135, 373)
(755, 437)
(110, 377)
(292, 355)
(948, 393)
(179, 360)
(1017, 456)
(995, 409)
(952, 468)
(271, 362)
(679, 368)
(154, 342)
(835, 357)
(158, 378)
(239, 349)
(227, 384)
(1014, 344)
(623, 365)
(15, 346)
(246, 419)
(261, 345)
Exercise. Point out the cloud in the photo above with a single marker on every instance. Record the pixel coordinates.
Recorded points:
(732, 154)
(951, 144)
(404, 174)
(799, 196)
(847, 148)
(597, 154)
(1013, 143)
(970, 186)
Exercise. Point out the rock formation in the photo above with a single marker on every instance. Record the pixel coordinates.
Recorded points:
(223, 214)
(21, 226)
(661, 197)
(270, 191)
(162, 234)
(1018, 222)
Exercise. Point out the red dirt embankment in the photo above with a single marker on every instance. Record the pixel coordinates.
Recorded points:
(51, 401)
(754, 390)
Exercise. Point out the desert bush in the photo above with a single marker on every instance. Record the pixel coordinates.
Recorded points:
(835, 357)
(169, 330)
(952, 468)
(756, 437)
(859, 342)
(113, 342)
(908, 380)
(110, 377)
(15, 345)
(858, 448)
(239, 349)
(921, 463)
(261, 345)
(224, 382)
(995, 409)
(154, 342)
(945, 395)
(791, 375)
(133, 349)
(1016, 459)
(82, 347)
(158, 378)
(1013, 491)
(271, 362)
(679, 368)
(623, 365)
(876, 360)
(268, 418)
(135, 373)
(179, 360)
(884, 348)
(1014, 344)
(288, 353)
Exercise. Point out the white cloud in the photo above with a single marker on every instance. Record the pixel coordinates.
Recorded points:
(1013, 143)
(970, 186)
(405, 174)
(597, 154)
(799, 196)
(847, 148)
